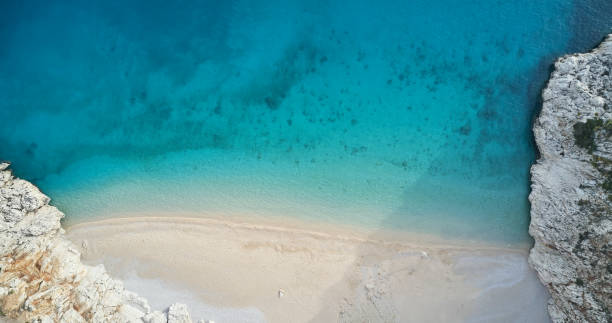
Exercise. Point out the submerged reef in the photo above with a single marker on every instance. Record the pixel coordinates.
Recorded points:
(42, 278)
(571, 198)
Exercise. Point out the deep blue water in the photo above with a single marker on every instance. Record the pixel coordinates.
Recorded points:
(412, 115)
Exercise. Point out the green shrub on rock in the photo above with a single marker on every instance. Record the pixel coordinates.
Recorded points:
(584, 133)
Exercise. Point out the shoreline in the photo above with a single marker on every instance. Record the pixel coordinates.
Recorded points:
(298, 272)
(314, 227)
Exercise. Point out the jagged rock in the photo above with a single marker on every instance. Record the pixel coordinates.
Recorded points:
(571, 204)
(155, 317)
(177, 313)
(42, 278)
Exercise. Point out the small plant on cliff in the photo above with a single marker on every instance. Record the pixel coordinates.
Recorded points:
(607, 185)
(608, 127)
(584, 133)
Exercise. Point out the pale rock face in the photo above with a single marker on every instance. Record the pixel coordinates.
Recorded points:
(177, 313)
(155, 317)
(42, 278)
(571, 208)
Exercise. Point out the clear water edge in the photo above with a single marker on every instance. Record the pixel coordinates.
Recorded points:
(409, 116)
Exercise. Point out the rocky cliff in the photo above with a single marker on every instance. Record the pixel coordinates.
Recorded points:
(42, 278)
(571, 198)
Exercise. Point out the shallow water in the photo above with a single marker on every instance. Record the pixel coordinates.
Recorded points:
(411, 115)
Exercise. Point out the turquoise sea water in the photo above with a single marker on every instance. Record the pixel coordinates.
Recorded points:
(411, 115)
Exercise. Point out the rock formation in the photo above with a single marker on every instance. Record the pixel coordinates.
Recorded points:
(42, 278)
(571, 198)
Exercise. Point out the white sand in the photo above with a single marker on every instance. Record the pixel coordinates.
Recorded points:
(231, 270)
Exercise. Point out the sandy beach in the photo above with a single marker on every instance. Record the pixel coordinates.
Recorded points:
(233, 270)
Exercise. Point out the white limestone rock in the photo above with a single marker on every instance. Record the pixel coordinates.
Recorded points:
(155, 317)
(177, 313)
(571, 208)
(42, 278)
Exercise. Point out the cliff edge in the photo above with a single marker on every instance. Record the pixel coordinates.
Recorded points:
(42, 278)
(571, 197)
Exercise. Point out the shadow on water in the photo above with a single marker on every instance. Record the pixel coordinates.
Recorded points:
(509, 288)
(433, 282)
(590, 22)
